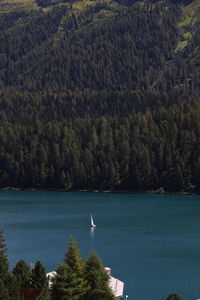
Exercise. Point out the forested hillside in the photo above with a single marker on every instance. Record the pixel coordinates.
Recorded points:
(96, 58)
(144, 151)
(100, 94)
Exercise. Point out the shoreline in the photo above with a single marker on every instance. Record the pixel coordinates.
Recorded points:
(150, 192)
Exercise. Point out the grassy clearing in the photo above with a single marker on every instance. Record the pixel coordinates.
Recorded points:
(181, 45)
(25, 2)
(107, 9)
(83, 4)
(187, 35)
(189, 16)
(186, 24)
(8, 5)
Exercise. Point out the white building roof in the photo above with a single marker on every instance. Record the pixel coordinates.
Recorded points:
(51, 274)
(116, 285)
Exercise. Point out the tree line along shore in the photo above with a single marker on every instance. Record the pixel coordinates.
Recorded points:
(75, 278)
(100, 95)
(150, 151)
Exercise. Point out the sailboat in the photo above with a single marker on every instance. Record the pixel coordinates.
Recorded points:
(92, 222)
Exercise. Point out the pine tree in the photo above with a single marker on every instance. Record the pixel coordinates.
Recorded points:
(3, 291)
(45, 295)
(13, 288)
(69, 283)
(173, 297)
(4, 276)
(3, 267)
(2, 242)
(97, 279)
(38, 276)
(22, 273)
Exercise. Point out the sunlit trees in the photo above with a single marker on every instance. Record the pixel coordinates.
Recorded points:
(69, 282)
(97, 279)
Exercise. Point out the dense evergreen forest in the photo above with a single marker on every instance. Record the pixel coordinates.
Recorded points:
(158, 150)
(100, 95)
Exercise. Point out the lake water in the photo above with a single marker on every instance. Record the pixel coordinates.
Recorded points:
(151, 242)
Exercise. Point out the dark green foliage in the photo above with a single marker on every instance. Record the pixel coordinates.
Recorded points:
(45, 295)
(4, 277)
(22, 274)
(76, 279)
(38, 276)
(103, 59)
(24, 278)
(3, 291)
(92, 97)
(97, 279)
(144, 151)
(69, 283)
(2, 242)
(112, 59)
(73, 258)
(13, 287)
(173, 297)
(3, 267)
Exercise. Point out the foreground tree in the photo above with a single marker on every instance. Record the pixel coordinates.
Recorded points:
(97, 279)
(39, 280)
(173, 297)
(3, 267)
(38, 276)
(22, 273)
(45, 295)
(4, 295)
(2, 242)
(13, 288)
(69, 283)
(4, 276)
(9, 287)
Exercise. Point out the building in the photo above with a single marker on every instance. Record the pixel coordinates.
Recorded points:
(116, 285)
(30, 293)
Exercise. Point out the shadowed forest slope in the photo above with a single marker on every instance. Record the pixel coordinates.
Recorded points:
(97, 58)
(100, 94)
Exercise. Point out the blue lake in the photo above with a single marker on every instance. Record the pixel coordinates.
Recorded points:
(151, 242)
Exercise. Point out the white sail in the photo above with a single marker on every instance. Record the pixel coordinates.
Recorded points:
(92, 222)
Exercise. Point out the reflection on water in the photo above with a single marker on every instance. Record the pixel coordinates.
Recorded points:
(92, 232)
(92, 239)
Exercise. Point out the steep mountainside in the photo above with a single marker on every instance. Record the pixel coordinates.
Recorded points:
(100, 94)
(79, 56)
